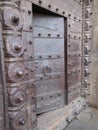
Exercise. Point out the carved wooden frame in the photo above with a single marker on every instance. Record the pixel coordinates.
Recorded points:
(20, 113)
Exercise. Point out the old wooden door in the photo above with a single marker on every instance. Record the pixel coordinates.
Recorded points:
(49, 62)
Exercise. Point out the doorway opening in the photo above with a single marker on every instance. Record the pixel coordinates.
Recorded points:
(50, 57)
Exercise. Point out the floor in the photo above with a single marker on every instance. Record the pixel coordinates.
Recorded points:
(86, 120)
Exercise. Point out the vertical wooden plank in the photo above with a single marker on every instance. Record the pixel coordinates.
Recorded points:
(20, 104)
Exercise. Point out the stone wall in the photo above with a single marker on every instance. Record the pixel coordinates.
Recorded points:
(93, 98)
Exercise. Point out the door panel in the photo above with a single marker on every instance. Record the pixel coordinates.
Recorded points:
(50, 101)
(44, 25)
(49, 45)
(50, 86)
(49, 67)
(49, 62)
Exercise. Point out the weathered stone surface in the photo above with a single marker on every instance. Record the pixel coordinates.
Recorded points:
(93, 98)
(57, 120)
(86, 120)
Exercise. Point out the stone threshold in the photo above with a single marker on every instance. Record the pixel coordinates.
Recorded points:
(60, 118)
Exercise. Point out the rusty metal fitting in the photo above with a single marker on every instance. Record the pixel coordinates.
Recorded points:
(30, 42)
(49, 34)
(68, 119)
(17, 47)
(69, 45)
(58, 56)
(69, 25)
(69, 15)
(39, 34)
(57, 9)
(91, 13)
(19, 73)
(40, 1)
(31, 27)
(49, 6)
(58, 35)
(69, 35)
(29, 11)
(49, 56)
(79, 37)
(76, 112)
(40, 57)
(22, 121)
(63, 12)
(15, 19)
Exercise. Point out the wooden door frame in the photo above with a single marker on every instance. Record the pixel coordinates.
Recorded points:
(24, 8)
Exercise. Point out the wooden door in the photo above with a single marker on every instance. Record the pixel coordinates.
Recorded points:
(49, 62)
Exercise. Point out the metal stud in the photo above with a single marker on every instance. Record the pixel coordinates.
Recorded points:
(22, 121)
(17, 47)
(40, 57)
(69, 35)
(69, 15)
(15, 19)
(79, 37)
(29, 11)
(32, 70)
(39, 34)
(31, 57)
(58, 56)
(41, 78)
(49, 56)
(30, 27)
(58, 35)
(80, 1)
(63, 12)
(59, 94)
(19, 73)
(51, 96)
(30, 42)
(49, 6)
(33, 97)
(49, 34)
(91, 13)
(57, 9)
(42, 98)
(69, 45)
(40, 1)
